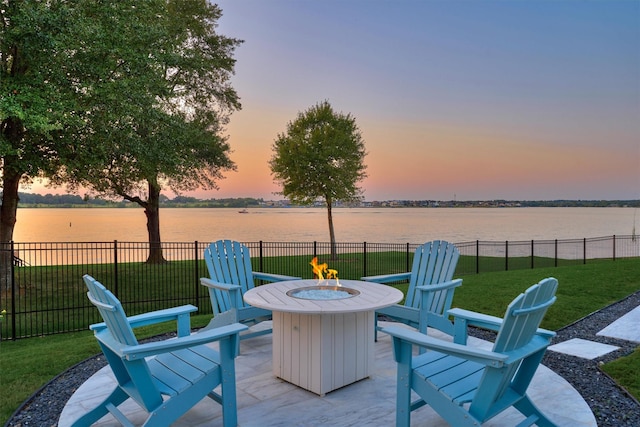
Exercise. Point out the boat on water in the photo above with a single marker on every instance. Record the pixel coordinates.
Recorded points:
(243, 211)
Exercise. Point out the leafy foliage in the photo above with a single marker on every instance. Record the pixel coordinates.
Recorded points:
(158, 117)
(122, 97)
(321, 155)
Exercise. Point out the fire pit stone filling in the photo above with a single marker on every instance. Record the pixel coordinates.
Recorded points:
(323, 292)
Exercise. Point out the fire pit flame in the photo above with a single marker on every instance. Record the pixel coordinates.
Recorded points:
(322, 271)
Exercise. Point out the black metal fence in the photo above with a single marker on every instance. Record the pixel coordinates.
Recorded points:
(43, 292)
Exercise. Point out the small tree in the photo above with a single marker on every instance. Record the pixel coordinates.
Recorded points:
(320, 156)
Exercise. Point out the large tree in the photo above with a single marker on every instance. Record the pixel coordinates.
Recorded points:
(320, 156)
(175, 98)
(40, 99)
(138, 91)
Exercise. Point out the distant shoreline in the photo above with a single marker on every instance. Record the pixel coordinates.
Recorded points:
(462, 205)
(30, 200)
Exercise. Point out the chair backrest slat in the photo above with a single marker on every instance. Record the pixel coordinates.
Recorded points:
(524, 315)
(216, 272)
(433, 262)
(111, 311)
(229, 262)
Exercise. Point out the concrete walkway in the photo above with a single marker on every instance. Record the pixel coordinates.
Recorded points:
(264, 400)
(625, 328)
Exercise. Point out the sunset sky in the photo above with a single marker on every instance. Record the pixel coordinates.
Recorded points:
(471, 100)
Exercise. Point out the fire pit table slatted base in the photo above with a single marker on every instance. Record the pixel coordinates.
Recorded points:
(325, 344)
(323, 352)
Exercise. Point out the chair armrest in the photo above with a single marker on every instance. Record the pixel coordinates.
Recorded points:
(440, 286)
(158, 316)
(272, 277)
(141, 351)
(464, 318)
(545, 333)
(489, 322)
(476, 319)
(224, 296)
(387, 278)
(218, 285)
(537, 343)
(407, 336)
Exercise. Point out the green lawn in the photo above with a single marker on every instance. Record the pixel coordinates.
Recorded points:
(582, 289)
(27, 364)
(625, 372)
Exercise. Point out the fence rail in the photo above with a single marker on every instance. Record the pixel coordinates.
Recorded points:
(43, 292)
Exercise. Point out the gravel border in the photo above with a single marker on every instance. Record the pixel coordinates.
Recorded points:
(612, 406)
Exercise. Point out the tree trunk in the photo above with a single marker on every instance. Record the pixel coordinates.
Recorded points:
(13, 131)
(152, 211)
(8, 214)
(332, 234)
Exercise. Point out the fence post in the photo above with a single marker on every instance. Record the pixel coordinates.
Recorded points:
(364, 259)
(315, 248)
(197, 271)
(13, 296)
(115, 267)
(614, 247)
(506, 255)
(532, 252)
(407, 258)
(556, 254)
(584, 250)
(261, 260)
(477, 256)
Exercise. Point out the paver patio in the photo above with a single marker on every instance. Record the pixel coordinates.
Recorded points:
(264, 400)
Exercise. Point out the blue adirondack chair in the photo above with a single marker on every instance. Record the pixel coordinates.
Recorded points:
(182, 370)
(230, 276)
(430, 291)
(468, 386)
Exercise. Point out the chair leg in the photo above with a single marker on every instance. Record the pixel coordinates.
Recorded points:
(116, 397)
(403, 383)
(528, 408)
(403, 398)
(228, 386)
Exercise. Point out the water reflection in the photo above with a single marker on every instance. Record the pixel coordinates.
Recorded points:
(413, 225)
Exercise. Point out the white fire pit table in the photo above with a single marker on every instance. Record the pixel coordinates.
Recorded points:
(323, 335)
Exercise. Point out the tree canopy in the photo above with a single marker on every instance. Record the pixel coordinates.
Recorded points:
(121, 97)
(320, 156)
(167, 116)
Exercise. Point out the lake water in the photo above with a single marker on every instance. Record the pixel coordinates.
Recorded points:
(383, 225)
